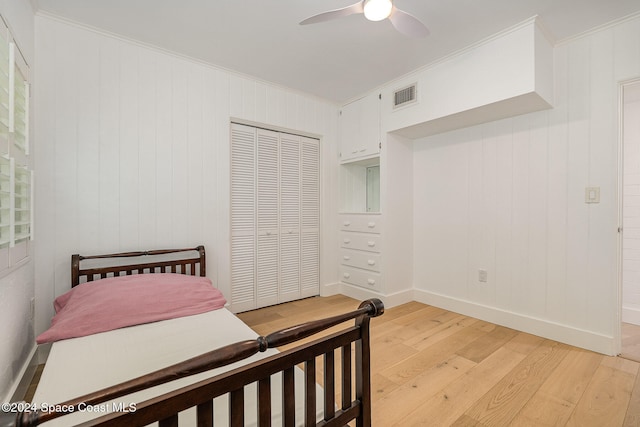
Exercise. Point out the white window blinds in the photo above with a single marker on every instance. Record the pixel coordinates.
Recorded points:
(16, 177)
(18, 101)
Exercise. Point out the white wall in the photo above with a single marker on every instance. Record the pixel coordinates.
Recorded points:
(134, 152)
(631, 205)
(17, 287)
(508, 197)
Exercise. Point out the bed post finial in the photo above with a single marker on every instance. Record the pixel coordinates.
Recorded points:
(75, 269)
(376, 307)
(203, 262)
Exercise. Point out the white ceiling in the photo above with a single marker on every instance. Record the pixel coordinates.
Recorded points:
(336, 60)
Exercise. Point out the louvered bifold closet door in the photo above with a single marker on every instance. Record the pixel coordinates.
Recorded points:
(243, 217)
(267, 215)
(275, 217)
(310, 220)
(290, 217)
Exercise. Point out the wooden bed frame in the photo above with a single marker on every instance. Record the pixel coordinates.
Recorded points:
(182, 265)
(353, 381)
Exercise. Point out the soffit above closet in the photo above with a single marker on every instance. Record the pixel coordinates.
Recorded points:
(337, 60)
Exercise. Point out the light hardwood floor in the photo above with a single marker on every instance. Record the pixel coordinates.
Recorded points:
(433, 367)
(631, 341)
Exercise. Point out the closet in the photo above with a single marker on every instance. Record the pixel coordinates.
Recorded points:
(275, 217)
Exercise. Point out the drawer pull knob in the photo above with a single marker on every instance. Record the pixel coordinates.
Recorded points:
(371, 243)
(371, 282)
(347, 223)
(346, 275)
(347, 241)
(371, 224)
(346, 257)
(371, 262)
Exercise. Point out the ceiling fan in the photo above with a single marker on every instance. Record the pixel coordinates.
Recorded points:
(376, 10)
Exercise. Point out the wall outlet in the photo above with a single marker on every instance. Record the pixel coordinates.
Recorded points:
(592, 195)
(482, 275)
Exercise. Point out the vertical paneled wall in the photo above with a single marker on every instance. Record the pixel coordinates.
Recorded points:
(134, 150)
(509, 197)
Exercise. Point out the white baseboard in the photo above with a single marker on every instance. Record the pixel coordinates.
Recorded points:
(390, 300)
(22, 381)
(631, 315)
(540, 327)
(330, 289)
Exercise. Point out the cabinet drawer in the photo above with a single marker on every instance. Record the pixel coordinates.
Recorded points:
(365, 260)
(362, 278)
(363, 224)
(363, 242)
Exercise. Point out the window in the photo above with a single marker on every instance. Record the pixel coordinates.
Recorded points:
(16, 177)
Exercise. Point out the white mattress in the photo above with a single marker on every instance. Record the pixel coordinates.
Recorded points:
(79, 366)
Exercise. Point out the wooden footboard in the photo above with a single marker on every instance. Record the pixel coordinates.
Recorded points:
(353, 385)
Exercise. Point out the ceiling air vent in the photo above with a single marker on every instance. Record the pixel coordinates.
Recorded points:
(405, 96)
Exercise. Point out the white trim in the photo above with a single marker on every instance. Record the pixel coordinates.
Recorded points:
(593, 30)
(260, 125)
(31, 360)
(390, 300)
(620, 313)
(106, 33)
(544, 328)
(631, 315)
(330, 289)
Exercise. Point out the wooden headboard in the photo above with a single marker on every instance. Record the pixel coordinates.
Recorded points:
(156, 261)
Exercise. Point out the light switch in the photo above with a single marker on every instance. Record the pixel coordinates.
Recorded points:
(592, 195)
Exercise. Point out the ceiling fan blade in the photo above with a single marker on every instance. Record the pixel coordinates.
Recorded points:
(333, 14)
(407, 24)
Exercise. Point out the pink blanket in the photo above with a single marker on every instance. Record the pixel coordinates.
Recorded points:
(118, 302)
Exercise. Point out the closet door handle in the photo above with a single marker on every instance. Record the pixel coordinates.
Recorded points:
(268, 233)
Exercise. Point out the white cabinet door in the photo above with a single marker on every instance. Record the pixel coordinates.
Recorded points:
(289, 217)
(243, 218)
(267, 144)
(360, 129)
(310, 220)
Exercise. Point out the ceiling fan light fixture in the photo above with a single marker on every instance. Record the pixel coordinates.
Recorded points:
(377, 10)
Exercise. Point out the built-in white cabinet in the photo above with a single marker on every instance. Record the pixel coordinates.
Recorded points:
(505, 76)
(361, 251)
(275, 217)
(360, 186)
(375, 249)
(360, 129)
